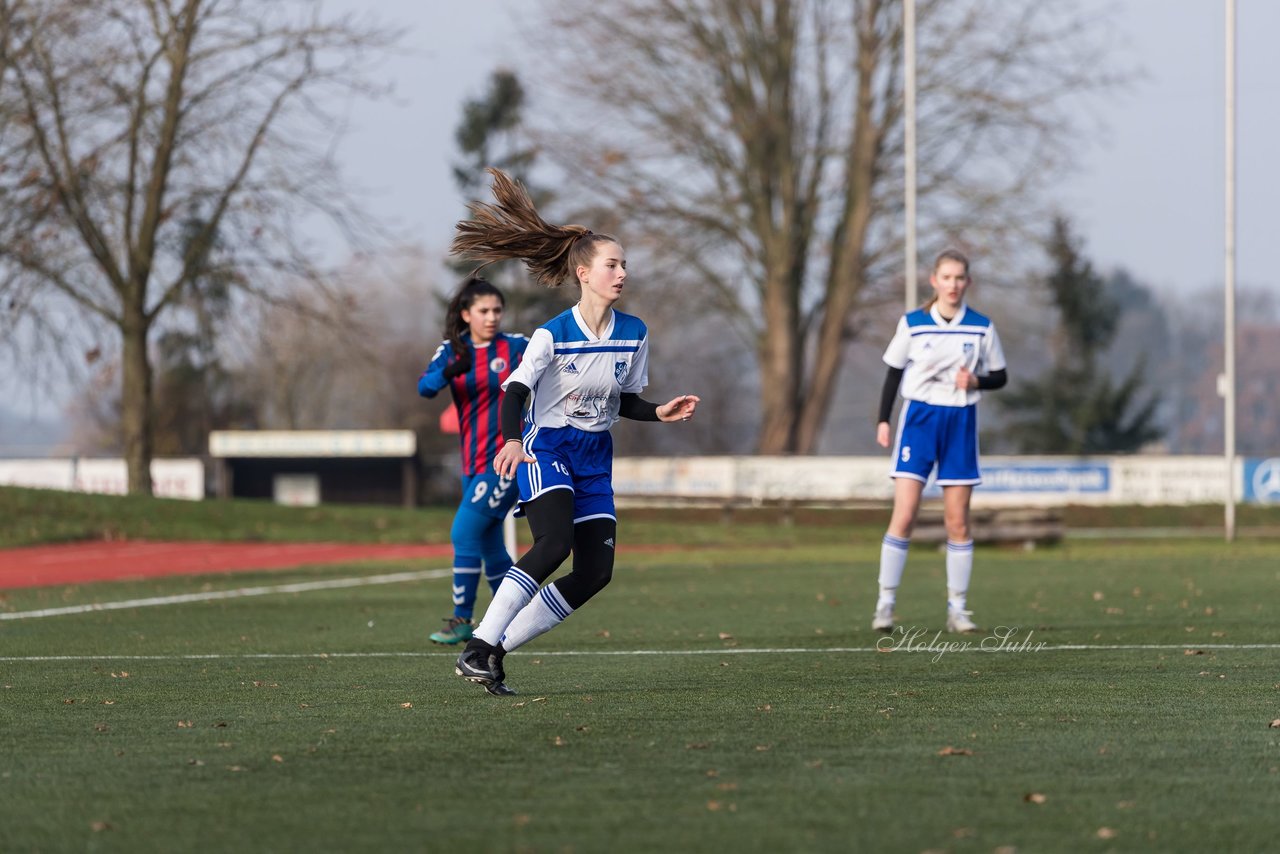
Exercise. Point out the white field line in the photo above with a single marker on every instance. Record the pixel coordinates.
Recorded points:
(237, 593)
(1227, 647)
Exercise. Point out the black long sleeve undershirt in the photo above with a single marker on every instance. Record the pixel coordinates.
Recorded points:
(512, 413)
(517, 395)
(889, 393)
(631, 406)
(893, 378)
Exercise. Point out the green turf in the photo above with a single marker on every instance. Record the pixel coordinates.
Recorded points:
(38, 516)
(757, 716)
(41, 516)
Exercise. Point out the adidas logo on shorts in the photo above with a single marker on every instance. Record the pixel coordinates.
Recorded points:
(609, 542)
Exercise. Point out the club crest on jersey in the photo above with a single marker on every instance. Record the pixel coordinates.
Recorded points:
(498, 365)
(570, 368)
(620, 370)
(968, 350)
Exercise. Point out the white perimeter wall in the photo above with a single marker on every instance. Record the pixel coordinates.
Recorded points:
(1022, 481)
(171, 478)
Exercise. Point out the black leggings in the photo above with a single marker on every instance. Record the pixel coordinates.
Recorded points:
(555, 536)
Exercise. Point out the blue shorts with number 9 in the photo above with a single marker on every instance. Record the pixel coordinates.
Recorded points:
(489, 494)
(569, 458)
(945, 436)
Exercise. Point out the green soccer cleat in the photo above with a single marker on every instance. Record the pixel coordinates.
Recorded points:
(456, 630)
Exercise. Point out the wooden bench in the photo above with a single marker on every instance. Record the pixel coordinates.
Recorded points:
(1025, 526)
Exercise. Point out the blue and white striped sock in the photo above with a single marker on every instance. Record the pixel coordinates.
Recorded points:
(959, 570)
(543, 613)
(893, 560)
(515, 591)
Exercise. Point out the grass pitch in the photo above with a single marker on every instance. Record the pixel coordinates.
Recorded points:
(714, 698)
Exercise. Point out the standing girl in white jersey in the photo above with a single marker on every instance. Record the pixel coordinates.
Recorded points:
(582, 371)
(943, 355)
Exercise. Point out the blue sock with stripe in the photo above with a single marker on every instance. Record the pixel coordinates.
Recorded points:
(543, 613)
(515, 591)
(466, 581)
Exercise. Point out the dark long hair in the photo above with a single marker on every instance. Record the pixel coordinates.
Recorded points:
(472, 289)
(512, 228)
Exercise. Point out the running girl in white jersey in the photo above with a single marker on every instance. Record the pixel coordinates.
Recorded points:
(944, 356)
(582, 371)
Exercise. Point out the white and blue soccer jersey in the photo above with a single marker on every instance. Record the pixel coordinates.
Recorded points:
(931, 351)
(577, 379)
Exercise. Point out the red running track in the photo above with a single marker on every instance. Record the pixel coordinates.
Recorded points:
(80, 563)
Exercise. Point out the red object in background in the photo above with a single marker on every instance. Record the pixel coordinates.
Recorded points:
(82, 563)
(449, 420)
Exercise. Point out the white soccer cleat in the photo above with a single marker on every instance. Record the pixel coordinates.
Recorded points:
(960, 622)
(882, 620)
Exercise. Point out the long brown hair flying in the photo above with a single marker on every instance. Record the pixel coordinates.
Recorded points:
(513, 228)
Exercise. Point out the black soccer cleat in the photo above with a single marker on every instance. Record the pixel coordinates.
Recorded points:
(496, 654)
(475, 663)
(500, 689)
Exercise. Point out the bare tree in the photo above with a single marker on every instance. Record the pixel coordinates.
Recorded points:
(150, 145)
(757, 144)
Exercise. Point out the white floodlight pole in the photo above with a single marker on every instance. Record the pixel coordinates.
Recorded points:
(1228, 379)
(909, 143)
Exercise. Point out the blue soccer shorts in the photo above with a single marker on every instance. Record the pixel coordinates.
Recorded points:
(569, 458)
(945, 436)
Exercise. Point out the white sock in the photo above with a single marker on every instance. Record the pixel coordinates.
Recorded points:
(959, 569)
(514, 593)
(893, 560)
(543, 613)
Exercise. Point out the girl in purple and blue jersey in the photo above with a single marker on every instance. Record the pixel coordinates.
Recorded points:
(473, 362)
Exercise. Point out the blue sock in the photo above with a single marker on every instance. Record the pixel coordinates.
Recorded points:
(466, 581)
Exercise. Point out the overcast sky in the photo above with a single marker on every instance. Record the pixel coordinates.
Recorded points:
(1148, 195)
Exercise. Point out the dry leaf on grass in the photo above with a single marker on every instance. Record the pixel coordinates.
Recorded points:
(1034, 798)
(725, 636)
(406, 705)
(696, 745)
(1106, 833)
(1274, 724)
(99, 826)
(1193, 652)
(955, 751)
(559, 742)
